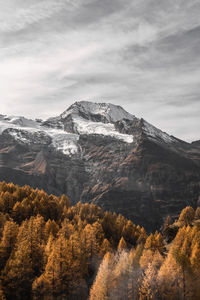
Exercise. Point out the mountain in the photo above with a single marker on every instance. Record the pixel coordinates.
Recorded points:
(98, 152)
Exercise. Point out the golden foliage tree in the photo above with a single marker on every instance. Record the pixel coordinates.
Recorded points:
(122, 244)
(187, 216)
(101, 288)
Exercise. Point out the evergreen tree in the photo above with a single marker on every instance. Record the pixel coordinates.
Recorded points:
(122, 244)
(197, 214)
(148, 289)
(187, 216)
(8, 241)
(101, 288)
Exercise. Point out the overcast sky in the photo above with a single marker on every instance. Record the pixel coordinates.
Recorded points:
(141, 54)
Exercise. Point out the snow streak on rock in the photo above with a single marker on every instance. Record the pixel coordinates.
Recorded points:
(29, 131)
(89, 127)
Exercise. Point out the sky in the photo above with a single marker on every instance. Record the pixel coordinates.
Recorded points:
(142, 54)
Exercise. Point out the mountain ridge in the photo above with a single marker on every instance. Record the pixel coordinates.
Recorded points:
(83, 111)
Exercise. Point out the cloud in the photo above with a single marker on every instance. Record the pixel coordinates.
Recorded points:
(142, 54)
(24, 15)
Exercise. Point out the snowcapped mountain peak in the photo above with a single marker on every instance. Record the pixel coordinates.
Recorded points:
(107, 112)
(88, 118)
(82, 118)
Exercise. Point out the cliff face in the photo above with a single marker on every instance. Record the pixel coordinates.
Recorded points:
(100, 153)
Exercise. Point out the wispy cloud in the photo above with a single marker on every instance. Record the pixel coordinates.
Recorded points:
(26, 14)
(142, 54)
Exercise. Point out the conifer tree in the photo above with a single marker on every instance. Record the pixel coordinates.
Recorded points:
(168, 279)
(62, 274)
(67, 228)
(92, 247)
(122, 244)
(195, 263)
(134, 272)
(195, 257)
(183, 261)
(148, 289)
(18, 273)
(101, 288)
(51, 228)
(159, 243)
(146, 258)
(7, 242)
(197, 213)
(105, 247)
(64, 201)
(120, 276)
(150, 242)
(187, 216)
(18, 212)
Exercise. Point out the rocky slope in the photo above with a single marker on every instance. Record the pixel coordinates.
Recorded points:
(100, 153)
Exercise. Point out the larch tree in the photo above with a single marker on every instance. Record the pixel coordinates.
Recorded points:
(51, 227)
(18, 273)
(120, 276)
(134, 272)
(187, 216)
(146, 258)
(122, 244)
(101, 288)
(105, 247)
(195, 263)
(183, 261)
(58, 276)
(148, 289)
(159, 243)
(197, 214)
(168, 279)
(89, 238)
(8, 239)
(26, 262)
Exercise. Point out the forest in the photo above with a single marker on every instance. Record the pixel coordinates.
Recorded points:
(52, 250)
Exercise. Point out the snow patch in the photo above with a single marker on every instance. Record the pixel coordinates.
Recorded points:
(29, 131)
(65, 142)
(83, 126)
(19, 135)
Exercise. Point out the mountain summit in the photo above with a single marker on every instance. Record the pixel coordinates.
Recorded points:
(105, 119)
(106, 112)
(82, 118)
(98, 152)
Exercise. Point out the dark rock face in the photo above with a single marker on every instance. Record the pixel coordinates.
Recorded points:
(145, 183)
(152, 176)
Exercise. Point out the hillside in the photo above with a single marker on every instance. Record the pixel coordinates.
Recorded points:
(51, 250)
